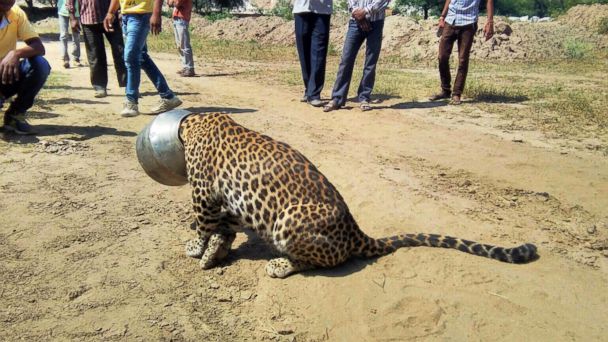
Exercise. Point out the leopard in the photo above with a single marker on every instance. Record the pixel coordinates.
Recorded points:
(242, 180)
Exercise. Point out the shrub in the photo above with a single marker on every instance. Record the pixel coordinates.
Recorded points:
(283, 9)
(576, 49)
(215, 16)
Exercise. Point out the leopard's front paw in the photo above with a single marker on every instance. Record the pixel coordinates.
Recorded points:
(195, 248)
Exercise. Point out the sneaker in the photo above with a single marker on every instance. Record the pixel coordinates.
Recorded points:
(100, 92)
(66, 64)
(304, 99)
(180, 71)
(129, 110)
(440, 96)
(166, 105)
(187, 73)
(315, 103)
(18, 124)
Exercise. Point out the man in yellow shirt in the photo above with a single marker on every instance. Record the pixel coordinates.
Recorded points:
(139, 17)
(23, 71)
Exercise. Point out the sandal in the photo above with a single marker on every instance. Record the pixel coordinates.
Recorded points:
(455, 100)
(364, 106)
(332, 105)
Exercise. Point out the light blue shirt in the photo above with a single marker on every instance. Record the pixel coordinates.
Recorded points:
(62, 8)
(312, 6)
(462, 12)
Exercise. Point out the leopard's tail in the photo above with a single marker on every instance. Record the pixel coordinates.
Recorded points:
(378, 247)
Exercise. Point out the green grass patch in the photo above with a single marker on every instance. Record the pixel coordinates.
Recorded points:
(219, 50)
(576, 49)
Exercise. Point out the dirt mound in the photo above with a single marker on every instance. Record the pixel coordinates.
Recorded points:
(408, 38)
(586, 17)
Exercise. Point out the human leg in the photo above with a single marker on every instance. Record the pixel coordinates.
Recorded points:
(372, 53)
(465, 42)
(352, 43)
(33, 73)
(182, 39)
(446, 43)
(117, 46)
(303, 31)
(96, 55)
(318, 55)
(64, 23)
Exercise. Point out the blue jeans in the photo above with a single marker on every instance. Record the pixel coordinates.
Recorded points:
(312, 39)
(33, 72)
(135, 28)
(352, 43)
(182, 40)
(64, 27)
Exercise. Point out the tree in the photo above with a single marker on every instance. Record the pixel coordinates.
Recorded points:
(205, 6)
(424, 6)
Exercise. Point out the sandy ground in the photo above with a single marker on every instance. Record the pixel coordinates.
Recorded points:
(91, 248)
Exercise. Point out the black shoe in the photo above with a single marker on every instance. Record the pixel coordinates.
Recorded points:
(17, 123)
(440, 96)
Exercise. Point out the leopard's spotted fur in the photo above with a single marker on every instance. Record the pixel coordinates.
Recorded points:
(241, 178)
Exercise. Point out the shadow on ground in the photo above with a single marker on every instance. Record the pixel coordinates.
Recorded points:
(81, 133)
(256, 249)
(412, 105)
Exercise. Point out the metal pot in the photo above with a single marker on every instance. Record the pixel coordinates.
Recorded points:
(160, 151)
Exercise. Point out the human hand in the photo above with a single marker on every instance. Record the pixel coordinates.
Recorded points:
(364, 25)
(108, 22)
(74, 23)
(9, 68)
(488, 29)
(441, 23)
(359, 14)
(155, 24)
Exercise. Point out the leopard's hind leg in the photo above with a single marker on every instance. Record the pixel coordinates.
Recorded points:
(217, 249)
(309, 236)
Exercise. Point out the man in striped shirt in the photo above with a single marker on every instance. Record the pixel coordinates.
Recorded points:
(458, 23)
(366, 24)
(92, 13)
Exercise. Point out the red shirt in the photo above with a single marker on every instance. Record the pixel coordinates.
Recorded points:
(183, 9)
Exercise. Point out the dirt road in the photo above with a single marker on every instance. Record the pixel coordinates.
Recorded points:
(91, 248)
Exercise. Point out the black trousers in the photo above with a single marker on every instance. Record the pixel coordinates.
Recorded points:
(96, 54)
(312, 40)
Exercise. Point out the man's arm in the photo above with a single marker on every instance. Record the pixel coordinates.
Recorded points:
(74, 23)
(9, 66)
(108, 21)
(444, 13)
(488, 29)
(156, 20)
